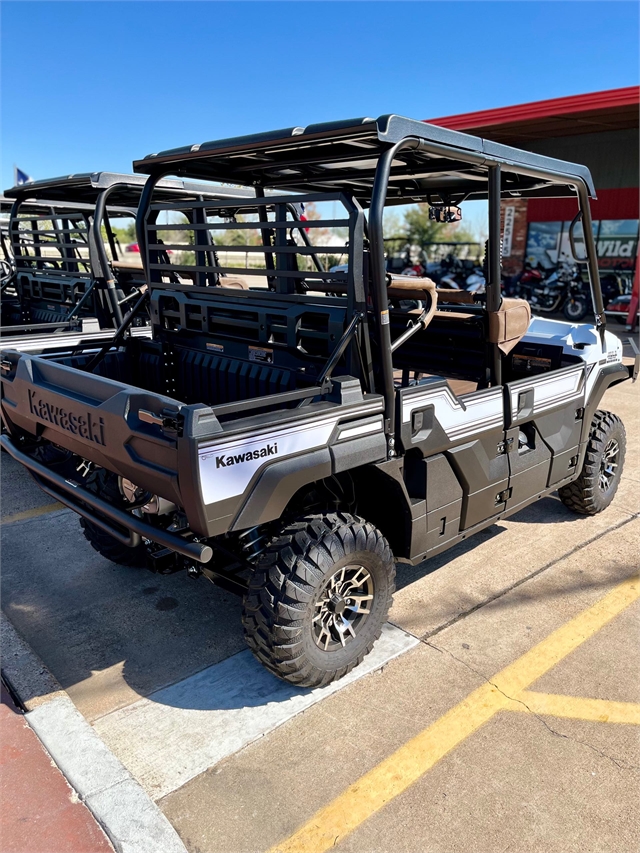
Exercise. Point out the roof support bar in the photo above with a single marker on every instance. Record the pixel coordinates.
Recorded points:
(96, 247)
(141, 230)
(379, 279)
(143, 207)
(592, 256)
(266, 239)
(494, 294)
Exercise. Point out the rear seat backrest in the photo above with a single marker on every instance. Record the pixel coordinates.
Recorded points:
(509, 323)
(453, 345)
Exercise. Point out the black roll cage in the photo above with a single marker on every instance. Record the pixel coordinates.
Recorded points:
(59, 211)
(310, 147)
(98, 197)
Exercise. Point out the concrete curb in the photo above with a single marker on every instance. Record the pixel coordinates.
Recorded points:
(23, 670)
(132, 821)
(178, 732)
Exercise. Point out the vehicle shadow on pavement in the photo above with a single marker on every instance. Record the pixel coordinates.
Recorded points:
(238, 682)
(109, 634)
(406, 575)
(546, 511)
(112, 635)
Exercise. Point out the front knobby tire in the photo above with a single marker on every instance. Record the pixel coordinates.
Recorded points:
(597, 484)
(318, 598)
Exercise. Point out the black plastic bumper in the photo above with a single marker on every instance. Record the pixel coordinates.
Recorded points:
(87, 505)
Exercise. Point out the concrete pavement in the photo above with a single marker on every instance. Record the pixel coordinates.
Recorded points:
(521, 782)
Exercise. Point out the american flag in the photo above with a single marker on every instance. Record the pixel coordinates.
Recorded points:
(21, 177)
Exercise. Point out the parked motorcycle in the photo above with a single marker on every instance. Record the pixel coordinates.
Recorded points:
(619, 308)
(561, 289)
(615, 284)
(459, 274)
(616, 289)
(410, 260)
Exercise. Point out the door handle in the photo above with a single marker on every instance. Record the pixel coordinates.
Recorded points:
(525, 403)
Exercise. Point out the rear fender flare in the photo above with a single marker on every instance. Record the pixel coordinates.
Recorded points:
(278, 483)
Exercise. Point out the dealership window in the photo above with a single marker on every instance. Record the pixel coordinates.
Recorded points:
(616, 243)
(543, 242)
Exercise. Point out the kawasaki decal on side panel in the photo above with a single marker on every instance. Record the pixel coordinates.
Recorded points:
(227, 468)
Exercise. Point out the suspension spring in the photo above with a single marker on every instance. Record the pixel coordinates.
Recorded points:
(253, 542)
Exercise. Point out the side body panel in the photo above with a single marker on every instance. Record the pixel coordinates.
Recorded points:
(455, 457)
(544, 426)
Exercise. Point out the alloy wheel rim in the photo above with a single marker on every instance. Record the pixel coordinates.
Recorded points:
(342, 607)
(608, 465)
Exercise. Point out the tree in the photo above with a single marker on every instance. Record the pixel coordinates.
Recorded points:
(124, 235)
(237, 236)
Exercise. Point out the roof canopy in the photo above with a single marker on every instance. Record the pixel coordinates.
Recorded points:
(342, 156)
(39, 206)
(85, 188)
(596, 112)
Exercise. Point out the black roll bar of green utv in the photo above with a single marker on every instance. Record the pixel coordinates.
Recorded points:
(98, 261)
(493, 288)
(102, 266)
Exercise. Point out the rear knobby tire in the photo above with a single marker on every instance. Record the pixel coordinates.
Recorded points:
(597, 484)
(320, 574)
(104, 484)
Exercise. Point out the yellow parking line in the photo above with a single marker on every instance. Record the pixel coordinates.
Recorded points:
(397, 772)
(579, 708)
(32, 513)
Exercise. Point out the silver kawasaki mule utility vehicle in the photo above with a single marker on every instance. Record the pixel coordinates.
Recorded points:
(292, 440)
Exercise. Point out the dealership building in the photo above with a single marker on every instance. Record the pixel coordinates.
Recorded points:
(599, 130)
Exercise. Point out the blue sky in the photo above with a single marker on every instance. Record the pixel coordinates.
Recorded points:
(93, 85)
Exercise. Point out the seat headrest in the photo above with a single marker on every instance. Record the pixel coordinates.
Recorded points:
(509, 323)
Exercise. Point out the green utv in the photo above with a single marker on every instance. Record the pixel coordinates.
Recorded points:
(293, 436)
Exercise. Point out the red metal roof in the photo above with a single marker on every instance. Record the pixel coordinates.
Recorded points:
(615, 109)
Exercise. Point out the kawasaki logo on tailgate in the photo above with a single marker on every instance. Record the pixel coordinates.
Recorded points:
(85, 425)
(223, 461)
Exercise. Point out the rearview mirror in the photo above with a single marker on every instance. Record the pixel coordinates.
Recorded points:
(451, 213)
